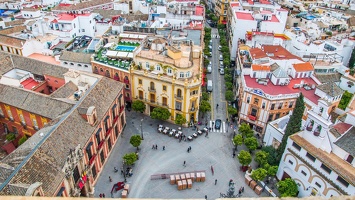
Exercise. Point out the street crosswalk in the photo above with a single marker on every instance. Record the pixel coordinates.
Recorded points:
(214, 36)
(223, 129)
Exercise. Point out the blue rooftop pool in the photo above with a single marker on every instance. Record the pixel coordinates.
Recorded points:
(125, 48)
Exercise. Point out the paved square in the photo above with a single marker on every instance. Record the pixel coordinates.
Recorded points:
(214, 150)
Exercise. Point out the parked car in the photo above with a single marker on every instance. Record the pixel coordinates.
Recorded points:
(221, 66)
(217, 124)
(219, 47)
(220, 57)
(209, 69)
(221, 71)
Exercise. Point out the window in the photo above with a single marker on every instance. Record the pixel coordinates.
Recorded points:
(277, 115)
(55, 81)
(140, 81)
(263, 105)
(342, 181)
(14, 129)
(187, 74)
(65, 63)
(74, 26)
(97, 135)
(90, 21)
(272, 107)
(83, 30)
(114, 110)
(1, 112)
(170, 71)
(164, 87)
(165, 101)
(178, 105)
(290, 105)
(86, 66)
(280, 105)
(181, 75)
(350, 159)
(72, 64)
(127, 86)
(248, 99)
(178, 93)
(22, 119)
(157, 67)
(88, 150)
(304, 173)
(256, 100)
(106, 123)
(317, 184)
(289, 161)
(312, 158)
(325, 168)
(296, 146)
(79, 65)
(270, 117)
(152, 86)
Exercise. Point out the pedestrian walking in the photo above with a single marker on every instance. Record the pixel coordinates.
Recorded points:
(190, 148)
(184, 163)
(103, 195)
(233, 154)
(153, 147)
(215, 182)
(242, 189)
(240, 192)
(109, 178)
(100, 195)
(163, 148)
(230, 182)
(212, 170)
(205, 196)
(156, 147)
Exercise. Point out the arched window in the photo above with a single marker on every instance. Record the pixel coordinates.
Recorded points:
(116, 77)
(101, 70)
(107, 73)
(178, 93)
(152, 86)
(96, 70)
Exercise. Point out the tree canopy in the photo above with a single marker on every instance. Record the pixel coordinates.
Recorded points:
(261, 157)
(138, 106)
(238, 140)
(251, 143)
(245, 130)
(180, 120)
(229, 96)
(160, 113)
(232, 110)
(205, 106)
(258, 174)
(130, 158)
(345, 99)
(287, 188)
(244, 158)
(135, 140)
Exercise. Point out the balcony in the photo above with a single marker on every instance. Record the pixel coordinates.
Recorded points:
(108, 131)
(100, 145)
(115, 119)
(316, 133)
(152, 100)
(151, 89)
(309, 128)
(92, 159)
(126, 81)
(251, 117)
(115, 62)
(127, 98)
(193, 109)
(121, 109)
(179, 97)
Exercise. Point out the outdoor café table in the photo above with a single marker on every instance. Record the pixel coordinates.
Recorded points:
(161, 126)
(199, 132)
(179, 128)
(167, 128)
(160, 130)
(195, 135)
(205, 129)
(173, 130)
(179, 132)
(177, 135)
(165, 131)
(171, 133)
(190, 137)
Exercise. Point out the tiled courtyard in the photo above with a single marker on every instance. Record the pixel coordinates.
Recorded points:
(214, 150)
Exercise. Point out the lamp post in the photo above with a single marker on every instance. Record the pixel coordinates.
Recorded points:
(142, 130)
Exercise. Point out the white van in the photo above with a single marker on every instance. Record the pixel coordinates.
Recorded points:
(209, 69)
(209, 86)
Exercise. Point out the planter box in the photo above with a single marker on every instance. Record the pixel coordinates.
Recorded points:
(179, 185)
(252, 184)
(189, 183)
(258, 190)
(182, 176)
(203, 176)
(172, 180)
(192, 175)
(198, 177)
(184, 184)
(248, 179)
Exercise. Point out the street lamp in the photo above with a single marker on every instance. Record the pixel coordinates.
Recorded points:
(142, 130)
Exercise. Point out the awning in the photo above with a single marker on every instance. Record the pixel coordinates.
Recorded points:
(111, 53)
(110, 44)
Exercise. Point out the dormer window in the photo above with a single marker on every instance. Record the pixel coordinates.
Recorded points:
(91, 115)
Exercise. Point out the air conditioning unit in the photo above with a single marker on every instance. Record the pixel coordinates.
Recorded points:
(77, 95)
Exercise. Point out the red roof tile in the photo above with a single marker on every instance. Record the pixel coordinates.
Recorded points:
(274, 19)
(342, 127)
(303, 67)
(272, 89)
(260, 67)
(257, 53)
(234, 4)
(279, 52)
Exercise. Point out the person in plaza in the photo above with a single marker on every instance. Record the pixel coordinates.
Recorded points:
(233, 154)
(109, 178)
(212, 170)
(163, 148)
(100, 195)
(205, 196)
(230, 182)
(215, 182)
(156, 147)
(103, 195)
(184, 163)
(242, 189)
(188, 150)
(153, 147)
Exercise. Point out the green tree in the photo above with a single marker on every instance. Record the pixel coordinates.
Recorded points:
(244, 158)
(251, 143)
(232, 110)
(287, 188)
(206, 62)
(229, 95)
(273, 155)
(293, 125)
(138, 106)
(22, 140)
(228, 78)
(205, 96)
(261, 158)
(237, 140)
(130, 158)
(245, 130)
(205, 106)
(180, 120)
(258, 174)
(272, 170)
(229, 85)
(345, 99)
(160, 113)
(135, 140)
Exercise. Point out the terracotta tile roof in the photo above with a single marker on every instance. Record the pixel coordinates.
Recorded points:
(11, 30)
(260, 67)
(279, 53)
(32, 102)
(80, 6)
(12, 41)
(340, 166)
(330, 89)
(303, 67)
(15, 22)
(340, 128)
(9, 61)
(257, 53)
(331, 77)
(346, 142)
(75, 57)
(65, 91)
(47, 161)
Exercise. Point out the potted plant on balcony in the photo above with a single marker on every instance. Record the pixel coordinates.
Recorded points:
(317, 130)
(310, 126)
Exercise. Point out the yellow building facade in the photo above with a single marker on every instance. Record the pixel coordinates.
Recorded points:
(168, 76)
(221, 10)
